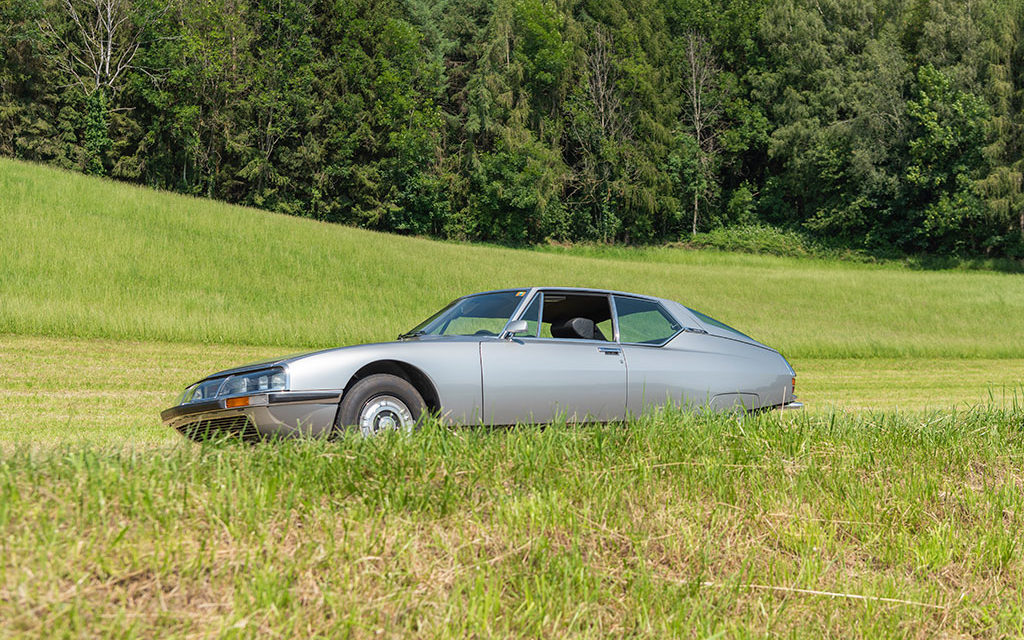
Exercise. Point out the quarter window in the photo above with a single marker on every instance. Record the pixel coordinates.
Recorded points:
(532, 317)
(644, 322)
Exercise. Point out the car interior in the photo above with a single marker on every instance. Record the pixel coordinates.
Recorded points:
(573, 316)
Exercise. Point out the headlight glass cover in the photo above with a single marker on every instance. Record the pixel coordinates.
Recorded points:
(261, 381)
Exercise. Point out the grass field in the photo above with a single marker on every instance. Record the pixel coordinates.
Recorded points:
(91, 258)
(101, 391)
(892, 507)
(675, 526)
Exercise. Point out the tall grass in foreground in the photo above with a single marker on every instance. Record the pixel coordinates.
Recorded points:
(847, 525)
(86, 257)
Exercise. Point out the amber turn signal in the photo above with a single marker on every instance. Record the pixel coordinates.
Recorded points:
(234, 403)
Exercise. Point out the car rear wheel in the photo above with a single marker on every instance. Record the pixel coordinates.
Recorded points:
(379, 403)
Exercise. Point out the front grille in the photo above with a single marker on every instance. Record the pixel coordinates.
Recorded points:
(214, 428)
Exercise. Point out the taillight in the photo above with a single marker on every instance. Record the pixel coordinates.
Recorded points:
(793, 390)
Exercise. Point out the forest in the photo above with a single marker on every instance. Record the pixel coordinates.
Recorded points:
(893, 127)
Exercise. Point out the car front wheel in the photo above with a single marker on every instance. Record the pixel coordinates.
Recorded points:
(379, 403)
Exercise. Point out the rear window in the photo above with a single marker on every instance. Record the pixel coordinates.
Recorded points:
(708, 320)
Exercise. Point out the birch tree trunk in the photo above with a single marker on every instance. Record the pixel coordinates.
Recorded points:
(703, 107)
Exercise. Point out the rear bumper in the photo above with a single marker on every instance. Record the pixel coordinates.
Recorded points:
(282, 414)
(792, 406)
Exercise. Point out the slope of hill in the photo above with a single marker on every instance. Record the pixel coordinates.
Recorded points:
(93, 258)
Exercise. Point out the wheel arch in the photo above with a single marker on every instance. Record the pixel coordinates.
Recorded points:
(410, 373)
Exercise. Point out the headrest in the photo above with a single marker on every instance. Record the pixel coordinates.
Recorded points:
(576, 328)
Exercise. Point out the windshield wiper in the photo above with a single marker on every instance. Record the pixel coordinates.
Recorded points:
(411, 334)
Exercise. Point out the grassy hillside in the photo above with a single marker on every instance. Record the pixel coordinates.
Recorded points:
(92, 258)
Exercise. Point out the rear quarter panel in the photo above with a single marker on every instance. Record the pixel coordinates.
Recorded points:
(697, 370)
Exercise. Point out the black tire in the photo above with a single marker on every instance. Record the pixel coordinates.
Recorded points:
(378, 403)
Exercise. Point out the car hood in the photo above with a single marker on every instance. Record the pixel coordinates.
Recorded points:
(297, 357)
(252, 366)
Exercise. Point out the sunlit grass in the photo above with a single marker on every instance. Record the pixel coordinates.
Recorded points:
(92, 258)
(62, 390)
(677, 525)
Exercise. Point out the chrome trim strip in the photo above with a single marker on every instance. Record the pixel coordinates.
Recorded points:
(568, 340)
(540, 312)
(556, 289)
(189, 409)
(318, 397)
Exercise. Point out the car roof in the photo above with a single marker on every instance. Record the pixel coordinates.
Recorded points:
(571, 289)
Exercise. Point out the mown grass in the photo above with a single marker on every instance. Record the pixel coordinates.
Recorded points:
(679, 525)
(92, 258)
(64, 390)
(96, 392)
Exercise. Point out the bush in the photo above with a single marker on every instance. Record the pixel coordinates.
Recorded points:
(755, 239)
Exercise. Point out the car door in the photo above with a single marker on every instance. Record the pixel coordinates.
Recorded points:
(538, 377)
(657, 374)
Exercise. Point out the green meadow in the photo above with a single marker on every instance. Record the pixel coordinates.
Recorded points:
(891, 507)
(675, 526)
(92, 258)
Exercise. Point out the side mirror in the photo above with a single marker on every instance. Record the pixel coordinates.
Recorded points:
(519, 326)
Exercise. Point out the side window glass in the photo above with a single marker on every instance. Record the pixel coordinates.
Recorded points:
(532, 316)
(643, 321)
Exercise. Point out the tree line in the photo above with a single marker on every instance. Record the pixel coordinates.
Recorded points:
(881, 125)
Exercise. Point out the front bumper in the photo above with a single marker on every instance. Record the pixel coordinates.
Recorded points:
(279, 414)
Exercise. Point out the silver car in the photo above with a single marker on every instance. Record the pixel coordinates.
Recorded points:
(504, 357)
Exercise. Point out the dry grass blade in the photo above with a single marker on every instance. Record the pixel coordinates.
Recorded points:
(816, 592)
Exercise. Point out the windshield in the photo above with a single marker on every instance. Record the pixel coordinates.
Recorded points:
(481, 315)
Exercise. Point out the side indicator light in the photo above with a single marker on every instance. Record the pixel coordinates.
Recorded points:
(234, 403)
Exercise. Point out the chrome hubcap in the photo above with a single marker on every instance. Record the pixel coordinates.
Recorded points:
(385, 413)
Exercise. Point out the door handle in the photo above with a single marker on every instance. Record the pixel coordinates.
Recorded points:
(611, 351)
